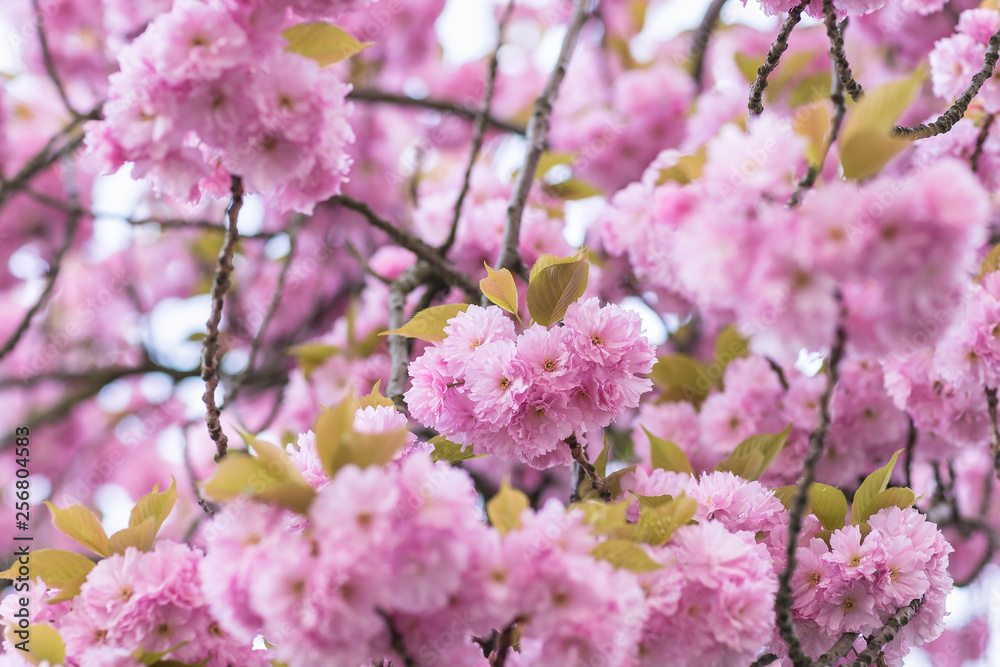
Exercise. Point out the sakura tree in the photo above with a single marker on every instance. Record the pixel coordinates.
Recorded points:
(627, 343)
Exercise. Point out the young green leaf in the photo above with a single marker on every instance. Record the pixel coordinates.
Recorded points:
(897, 496)
(873, 485)
(55, 566)
(141, 536)
(657, 523)
(554, 289)
(312, 355)
(323, 42)
(446, 450)
(681, 378)
(546, 260)
(499, 287)
(79, 524)
(625, 555)
(665, 455)
(504, 509)
(753, 456)
(375, 399)
(866, 142)
(829, 505)
(429, 323)
(155, 506)
(45, 645)
(786, 494)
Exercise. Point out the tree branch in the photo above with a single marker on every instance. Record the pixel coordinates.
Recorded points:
(453, 108)
(504, 642)
(991, 405)
(702, 36)
(399, 351)
(780, 45)
(50, 66)
(838, 650)
(984, 133)
(817, 440)
(888, 632)
(479, 131)
(429, 255)
(841, 68)
(596, 481)
(510, 254)
(957, 110)
(210, 345)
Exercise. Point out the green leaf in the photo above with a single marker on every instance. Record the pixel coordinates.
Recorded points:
(614, 481)
(338, 444)
(80, 524)
(601, 464)
(898, 496)
(546, 260)
(554, 289)
(786, 494)
(313, 355)
(44, 643)
(141, 536)
(681, 378)
(155, 506)
(991, 262)
(69, 590)
(730, 345)
(625, 555)
(572, 189)
(504, 509)
(753, 456)
(813, 124)
(241, 474)
(499, 287)
(429, 323)
(829, 505)
(657, 523)
(866, 142)
(375, 399)
(873, 485)
(606, 518)
(56, 567)
(813, 88)
(665, 455)
(323, 42)
(446, 450)
(687, 169)
(549, 159)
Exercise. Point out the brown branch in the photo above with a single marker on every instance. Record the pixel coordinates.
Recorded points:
(763, 660)
(596, 481)
(452, 108)
(298, 220)
(396, 640)
(73, 221)
(428, 254)
(780, 45)
(991, 405)
(206, 506)
(888, 632)
(702, 36)
(48, 155)
(984, 133)
(210, 345)
(838, 650)
(479, 131)
(510, 254)
(957, 110)
(48, 61)
(399, 351)
(817, 440)
(839, 109)
(911, 442)
(841, 68)
(504, 642)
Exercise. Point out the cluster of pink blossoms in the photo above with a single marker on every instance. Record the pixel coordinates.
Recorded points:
(208, 91)
(151, 601)
(518, 396)
(857, 581)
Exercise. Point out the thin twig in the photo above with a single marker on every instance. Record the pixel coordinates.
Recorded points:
(911, 442)
(504, 641)
(596, 481)
(298, 220)
(780, 45)
(957, 110)
(841, 67)
(73, 220)
(206, 506)
(702, 36)
(399, 352)
(49, 62)
(510, 254)
(984, 133)
(429, 255)
(479, 130)
(817, 440)
(839, 109)
(888, 632)
(210, 345)
(763, 660)
(453, 108)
